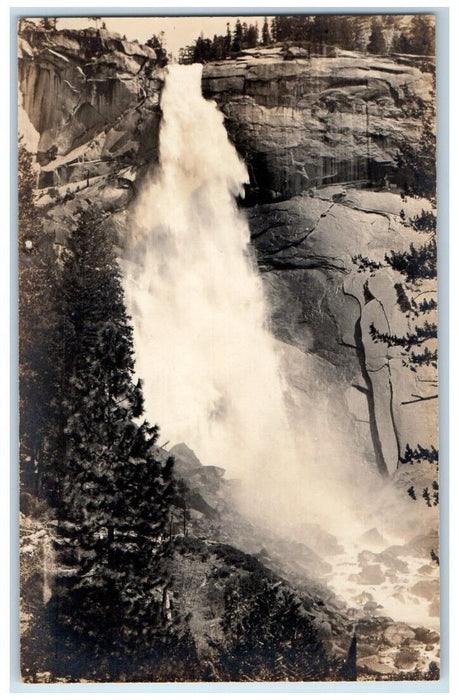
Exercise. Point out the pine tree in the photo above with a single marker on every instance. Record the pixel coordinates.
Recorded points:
(320, 30)
(244, 38)
(114, 494)
(238, 36)
(420, 39)
(268, 634)
(358, 34)
(377, 43)
(346, 33)
(422, 36)
(228, 40)
(265, 35)
(39, 355)
(417, 164)
(401, 44)
(252, 36)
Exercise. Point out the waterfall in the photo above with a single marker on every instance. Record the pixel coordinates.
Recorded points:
(211, 369)
(211, 373)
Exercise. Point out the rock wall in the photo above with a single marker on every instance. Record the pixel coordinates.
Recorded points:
(303, 122)
(320, 137)
(93, 100)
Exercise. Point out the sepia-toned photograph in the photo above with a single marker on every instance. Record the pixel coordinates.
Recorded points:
(228, 391)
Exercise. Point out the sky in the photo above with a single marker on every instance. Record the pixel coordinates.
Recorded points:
(178, 31)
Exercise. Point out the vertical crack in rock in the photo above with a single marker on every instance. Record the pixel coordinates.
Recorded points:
(360, 352)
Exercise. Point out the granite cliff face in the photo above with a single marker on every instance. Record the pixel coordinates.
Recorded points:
(320, 137)
(89, 107)
(303, 122)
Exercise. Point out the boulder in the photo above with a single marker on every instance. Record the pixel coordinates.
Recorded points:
(406, 659)
(392, 562)
(371, 575)
(426, 636)
(366, 557)
(373, 538)
(318, 539)
(427, 588)
(397, 633)
(422, 545)
(373, 664)
(185, 455)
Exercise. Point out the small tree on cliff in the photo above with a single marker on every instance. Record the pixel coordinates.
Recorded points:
(114, 494)
(156, 42)
(418, 266)
(48, 23)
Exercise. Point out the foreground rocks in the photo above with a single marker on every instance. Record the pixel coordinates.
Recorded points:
(346, 590)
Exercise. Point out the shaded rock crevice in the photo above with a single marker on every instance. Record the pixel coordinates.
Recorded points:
(369, 395)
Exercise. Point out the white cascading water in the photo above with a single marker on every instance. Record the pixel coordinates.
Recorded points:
(211, 369)
(211, 373)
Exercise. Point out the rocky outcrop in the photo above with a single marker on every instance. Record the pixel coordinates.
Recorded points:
(92, 99)
(324, 304)
(307, 122)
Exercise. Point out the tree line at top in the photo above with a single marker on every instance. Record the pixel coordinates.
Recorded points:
(381, 35)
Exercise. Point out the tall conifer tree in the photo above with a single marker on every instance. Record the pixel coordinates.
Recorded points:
(39, 354)
(114, 493)
(265, 35)
(376, 43)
